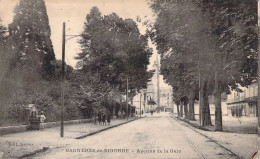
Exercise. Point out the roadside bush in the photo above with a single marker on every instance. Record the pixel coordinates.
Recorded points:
(46, 97)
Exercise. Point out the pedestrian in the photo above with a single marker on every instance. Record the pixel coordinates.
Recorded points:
(103, 118)
(142, 112)
(123, 114)
(119, 114)
(99, 118)
(108, 119)
(42, 118)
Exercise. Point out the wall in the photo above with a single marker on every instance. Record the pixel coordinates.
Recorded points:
(22, 128)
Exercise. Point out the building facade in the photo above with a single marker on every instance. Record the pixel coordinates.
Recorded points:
(157, 95)
(166, 98)
(243, 103)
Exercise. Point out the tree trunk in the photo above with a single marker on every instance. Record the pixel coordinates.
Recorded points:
(205, 114)
(95, 119)
(207, 118)
(120, 103)
(217, 100)
(181, 112)
(186, 112)
(191, 107)
(131, 99)
(130, 111)
(178, 110)
(145, 102)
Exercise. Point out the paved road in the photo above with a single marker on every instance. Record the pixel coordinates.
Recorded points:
(159, 136)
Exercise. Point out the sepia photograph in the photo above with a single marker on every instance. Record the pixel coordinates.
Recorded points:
(129, 79)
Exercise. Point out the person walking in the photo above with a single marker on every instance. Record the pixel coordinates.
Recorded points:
(103, 118)
(119, 114)
(99, 118)
(123, 114)
(108, 119)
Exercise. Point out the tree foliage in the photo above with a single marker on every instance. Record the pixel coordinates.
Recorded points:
(113, 49)
(30, 35)
(215, 40)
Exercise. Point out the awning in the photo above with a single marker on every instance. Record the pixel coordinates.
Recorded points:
(237, 102)
(246, 100)
(251, 99)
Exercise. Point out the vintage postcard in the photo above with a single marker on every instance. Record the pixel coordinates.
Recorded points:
(124, 79)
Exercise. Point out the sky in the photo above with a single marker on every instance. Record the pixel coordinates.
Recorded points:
(73, 13)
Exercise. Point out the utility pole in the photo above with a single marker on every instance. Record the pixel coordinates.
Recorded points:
(200, 99)
(258, 71)
(140, 103)
(145, 99)
(63, 76)
(62, 82)
(200, 83)
(127, 113)
(158, 81)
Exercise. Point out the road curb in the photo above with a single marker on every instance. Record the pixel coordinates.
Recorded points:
(194, 125)
(34, 152)
(98, 131)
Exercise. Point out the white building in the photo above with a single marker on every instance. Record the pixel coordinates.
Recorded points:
(244, 103)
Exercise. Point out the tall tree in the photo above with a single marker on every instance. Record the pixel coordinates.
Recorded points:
(114, 49)
(30, 35)
(180, 38)
(4, 62)
(2, 31)
(219, 35)
(234, 30)
(3, 53)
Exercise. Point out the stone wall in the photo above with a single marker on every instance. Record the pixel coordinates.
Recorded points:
(23, 128)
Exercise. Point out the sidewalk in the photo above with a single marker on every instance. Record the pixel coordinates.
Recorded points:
(247, 125)
(242, 125)
(241, 144)
(22, 144)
